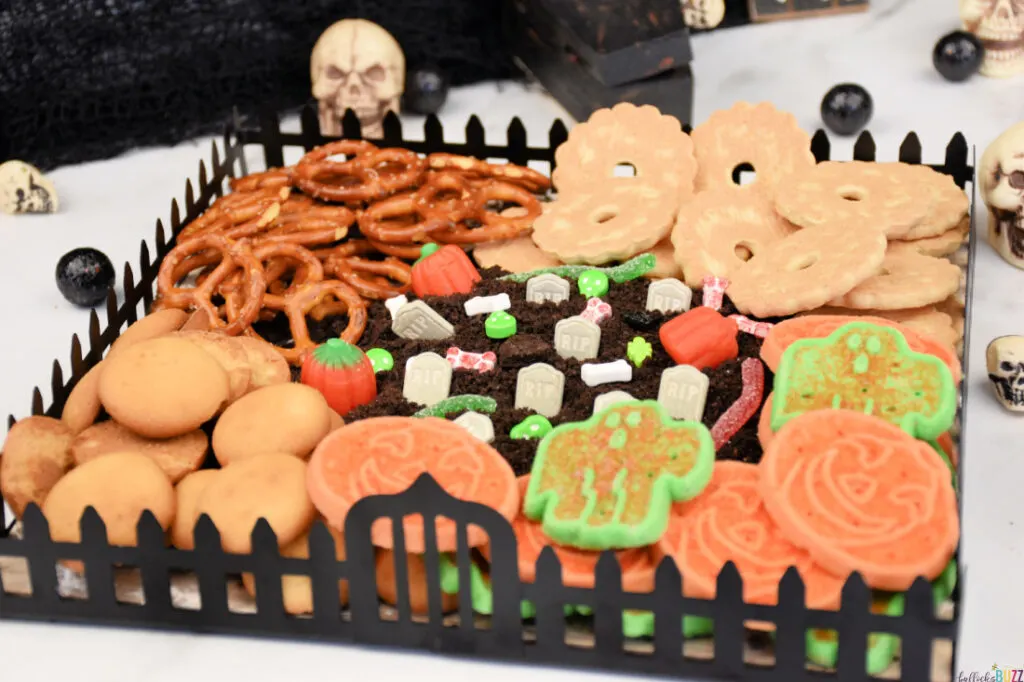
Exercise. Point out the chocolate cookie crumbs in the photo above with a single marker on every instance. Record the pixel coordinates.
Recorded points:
(534, 343)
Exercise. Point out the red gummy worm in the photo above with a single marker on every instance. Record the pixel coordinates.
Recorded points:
(740, 412)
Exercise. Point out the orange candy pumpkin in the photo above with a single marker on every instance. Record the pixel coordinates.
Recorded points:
(342, 373)
(443, 271)
(700, 337)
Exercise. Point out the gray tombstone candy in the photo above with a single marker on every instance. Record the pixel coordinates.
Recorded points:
(669, 296)
(480, 425)
(418, 321)
(547, 287)
(606, 400)
(577, 337)
(539, 387)
(683, 391)
(428, 379)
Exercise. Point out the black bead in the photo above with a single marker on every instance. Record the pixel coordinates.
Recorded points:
(426, 90)
(84, 276)
(958, 56)
(846, 108)
(641, 320)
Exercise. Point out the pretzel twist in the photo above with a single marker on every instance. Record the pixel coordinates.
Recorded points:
(521, 176)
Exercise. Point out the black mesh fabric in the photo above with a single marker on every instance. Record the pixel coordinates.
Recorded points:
(89, 79)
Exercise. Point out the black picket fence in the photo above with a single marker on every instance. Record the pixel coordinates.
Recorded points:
(503, 635)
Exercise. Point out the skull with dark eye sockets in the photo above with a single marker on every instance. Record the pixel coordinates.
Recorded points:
(1005, 360)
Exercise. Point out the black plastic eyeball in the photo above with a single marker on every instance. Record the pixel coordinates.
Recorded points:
(846, 108)
(84, 276)
(958, 56)
(426, 90)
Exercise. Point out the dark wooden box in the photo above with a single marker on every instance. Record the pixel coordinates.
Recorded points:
(771, 10)
(591, 54)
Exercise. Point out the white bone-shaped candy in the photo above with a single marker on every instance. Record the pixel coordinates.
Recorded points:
(480, 305)
(394, 304)
(597, 373)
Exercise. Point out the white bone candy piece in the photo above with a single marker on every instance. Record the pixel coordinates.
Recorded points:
(480, 305)
(24, 189)
(394, 304)
(1004, 358)
(480, 425)
(606, 400)
(597, 373)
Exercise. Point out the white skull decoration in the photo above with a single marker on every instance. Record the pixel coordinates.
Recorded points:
(999, 24)
(24, 189)
(357, 65)
(703, 13)
(1005, 360)
(1001, 178)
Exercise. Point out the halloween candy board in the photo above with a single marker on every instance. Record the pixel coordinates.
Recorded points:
(339, 328)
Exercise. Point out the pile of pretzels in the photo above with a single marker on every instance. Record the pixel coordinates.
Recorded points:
(326, 236)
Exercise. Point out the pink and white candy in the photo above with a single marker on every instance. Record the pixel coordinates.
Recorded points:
(758, 329)
(714, 291)
(479, 362)
(597, 311)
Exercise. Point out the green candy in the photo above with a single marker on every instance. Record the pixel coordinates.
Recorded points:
(381, 360)
(593, 283)
(428, 249)
(535, 426)
(499, 325)
(634, 268)
(459, 403)
(638, 350)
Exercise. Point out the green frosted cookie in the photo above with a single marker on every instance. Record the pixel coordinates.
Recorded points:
(610, 481)
(866, 368)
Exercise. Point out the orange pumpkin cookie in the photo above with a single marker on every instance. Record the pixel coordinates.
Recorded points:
(728, 522)
(385, 455)
(907, 280)
(860, 494)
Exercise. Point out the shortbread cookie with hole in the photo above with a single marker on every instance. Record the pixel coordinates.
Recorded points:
(806, 269)
(906, 280)
(718, 231)
(755, 137)
(868, 196)
(610, 221)
(949, 204)
(654, 144)
(939, 246)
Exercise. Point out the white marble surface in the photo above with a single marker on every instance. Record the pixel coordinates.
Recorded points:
(111, 204)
